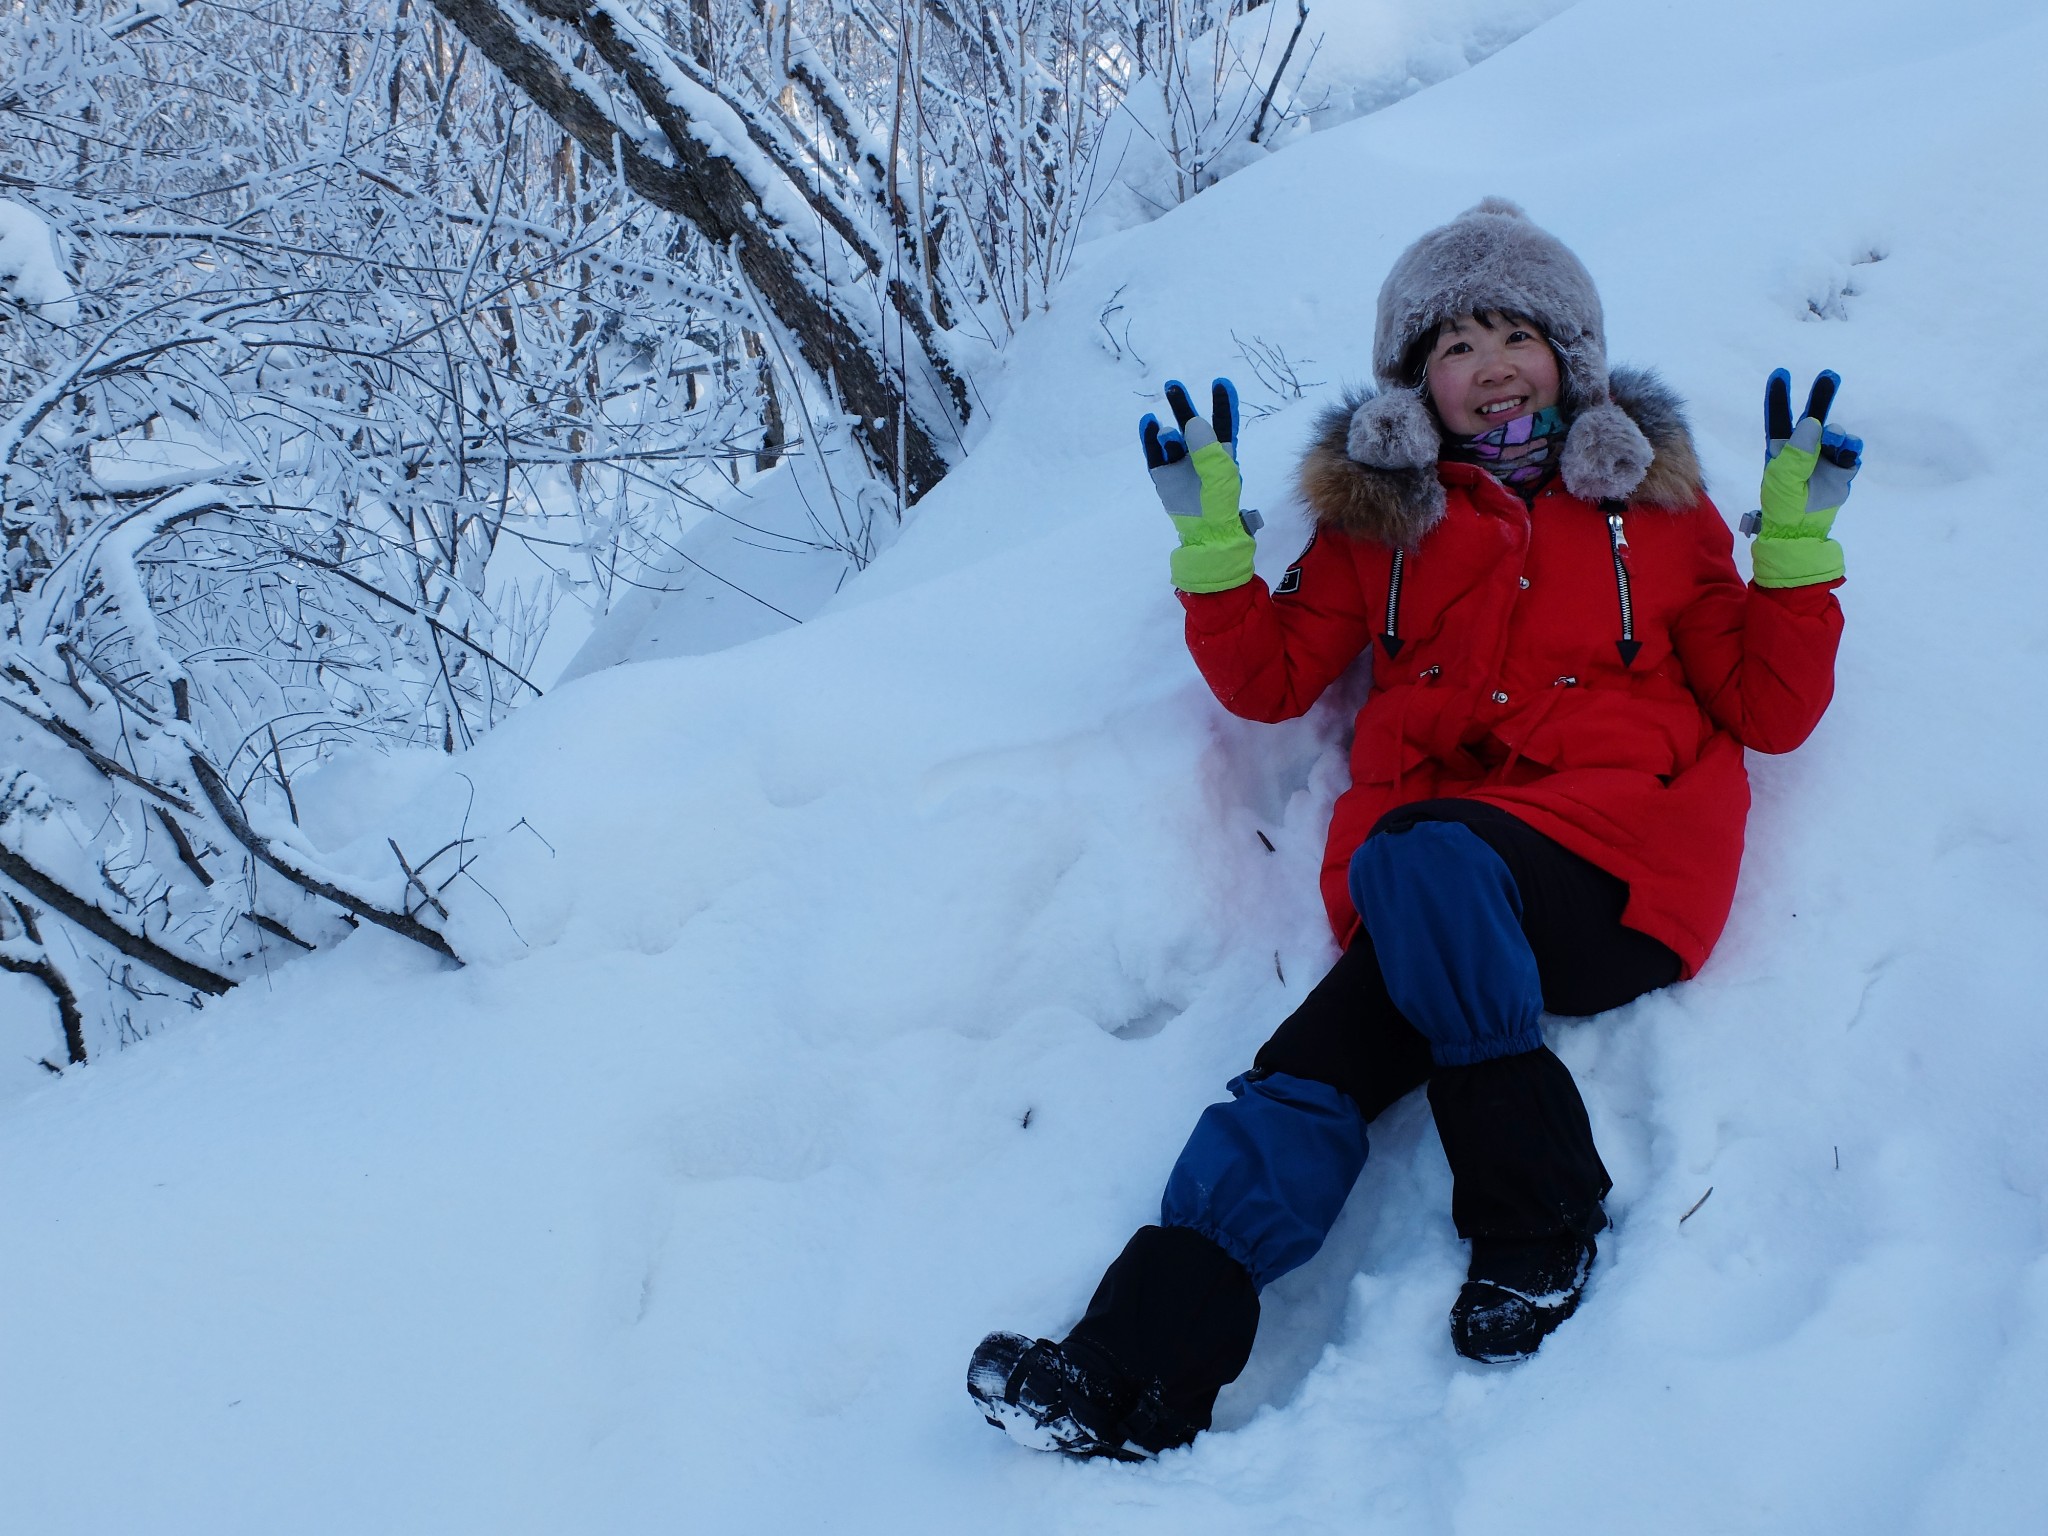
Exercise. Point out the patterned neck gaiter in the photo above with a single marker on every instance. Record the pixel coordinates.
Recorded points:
(1522, 454)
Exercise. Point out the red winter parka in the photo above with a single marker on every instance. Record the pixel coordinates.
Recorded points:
(1595, 669)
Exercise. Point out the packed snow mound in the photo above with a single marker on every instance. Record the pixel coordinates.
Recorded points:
(847, 993)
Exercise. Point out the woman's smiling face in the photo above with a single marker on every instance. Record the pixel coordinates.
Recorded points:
(1482, 374)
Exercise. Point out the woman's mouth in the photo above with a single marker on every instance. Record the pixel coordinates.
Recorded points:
(1503, 407)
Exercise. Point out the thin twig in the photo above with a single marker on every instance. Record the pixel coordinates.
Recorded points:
(1300, 21)
(272, 926)
(277, 760)
(186, 853)
(412, 878)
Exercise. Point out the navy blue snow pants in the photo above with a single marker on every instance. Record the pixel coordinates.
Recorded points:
(1475, 925)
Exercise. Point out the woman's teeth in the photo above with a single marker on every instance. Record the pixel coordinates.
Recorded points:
(1501, 405)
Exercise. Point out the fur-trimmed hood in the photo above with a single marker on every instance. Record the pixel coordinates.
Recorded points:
(1371, 470)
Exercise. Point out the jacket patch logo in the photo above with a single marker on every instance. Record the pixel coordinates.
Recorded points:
(1291, 582)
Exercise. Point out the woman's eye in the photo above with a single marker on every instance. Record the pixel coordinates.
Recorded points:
(1456, 347)
(1515, 336)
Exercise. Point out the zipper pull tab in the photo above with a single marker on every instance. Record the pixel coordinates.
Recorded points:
(1615, 533)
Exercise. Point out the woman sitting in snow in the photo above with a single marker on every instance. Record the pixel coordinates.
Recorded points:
(1546, 808)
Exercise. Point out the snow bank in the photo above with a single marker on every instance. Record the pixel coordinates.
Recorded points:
(854, 988)
(1350, 59)
(1374, 53)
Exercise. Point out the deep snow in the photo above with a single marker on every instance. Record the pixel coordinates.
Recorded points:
(682, 1205)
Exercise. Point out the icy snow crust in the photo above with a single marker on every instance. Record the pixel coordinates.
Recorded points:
(682, 1209)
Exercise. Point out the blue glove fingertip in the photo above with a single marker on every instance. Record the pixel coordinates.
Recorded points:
(1821, 397)
(1148, 440)
(1223, 413)
(1223, 406)
(1777, 409)
(1840, 448)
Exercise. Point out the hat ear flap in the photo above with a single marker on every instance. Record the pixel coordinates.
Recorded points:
(1606, 455)
(1394, 430)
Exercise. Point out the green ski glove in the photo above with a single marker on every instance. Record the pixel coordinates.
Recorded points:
(1194, 470)
(1807, 474)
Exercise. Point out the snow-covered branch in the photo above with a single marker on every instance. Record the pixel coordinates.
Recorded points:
(327, 368)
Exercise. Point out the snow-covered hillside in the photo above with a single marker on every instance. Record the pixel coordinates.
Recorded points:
(855, 987)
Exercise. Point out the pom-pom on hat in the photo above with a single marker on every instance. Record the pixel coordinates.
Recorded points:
(1494, 257)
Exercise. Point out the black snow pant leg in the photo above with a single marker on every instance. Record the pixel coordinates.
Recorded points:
(1514, 1128)
(1173, 1309)
(1523, 1163)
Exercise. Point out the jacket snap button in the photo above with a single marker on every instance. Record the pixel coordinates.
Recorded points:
(1500, 698)
(1525, 583)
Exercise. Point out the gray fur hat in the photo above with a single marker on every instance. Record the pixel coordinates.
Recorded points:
(1493, 257)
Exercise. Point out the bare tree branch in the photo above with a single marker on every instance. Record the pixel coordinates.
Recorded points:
(69, 1017)
(230, 812)
(135, 946)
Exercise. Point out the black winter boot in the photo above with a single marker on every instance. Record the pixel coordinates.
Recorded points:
(1169, 1326)
(1070, 1399)
(1515, 1293)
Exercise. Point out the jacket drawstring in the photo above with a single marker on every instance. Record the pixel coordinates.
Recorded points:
(1549, 703)
(1427, 675)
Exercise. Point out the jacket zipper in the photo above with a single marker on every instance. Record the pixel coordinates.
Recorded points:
(1390, 637)
(1618, 544)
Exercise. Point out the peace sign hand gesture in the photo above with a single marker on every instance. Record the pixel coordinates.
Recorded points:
(1808, 470)
(1194, 470)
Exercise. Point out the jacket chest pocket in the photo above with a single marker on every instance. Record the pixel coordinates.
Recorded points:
(1650, 564)
(1428, 610)
(1600, 604)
